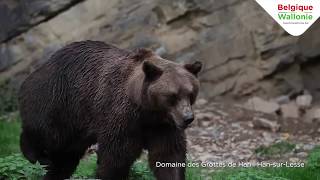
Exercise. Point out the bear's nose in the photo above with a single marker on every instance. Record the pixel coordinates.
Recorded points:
(188, 118)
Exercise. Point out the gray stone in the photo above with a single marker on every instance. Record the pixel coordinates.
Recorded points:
(5, 57)
(19, 16)
(263, 123)
(312, 114)
(294, 159)
(282, 99)
(308, 147)
(261, 105)
(302, 154)
(304, 101)
(290, 110)
(201, 102)
(205, 116)
(308, 44)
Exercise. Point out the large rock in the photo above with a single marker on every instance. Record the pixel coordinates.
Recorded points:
(290, 110)
(35, 46)
(304, 101)
(19, 16)
(265, 124)
(261, 105)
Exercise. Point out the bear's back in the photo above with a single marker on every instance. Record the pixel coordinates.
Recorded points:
(75, 81)
(90, 55)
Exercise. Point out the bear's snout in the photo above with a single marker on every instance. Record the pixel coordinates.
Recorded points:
(184, 114)
(188, 118)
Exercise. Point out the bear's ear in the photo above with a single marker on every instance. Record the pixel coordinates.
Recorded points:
(142, 53)
(151, 71)
(194, 68)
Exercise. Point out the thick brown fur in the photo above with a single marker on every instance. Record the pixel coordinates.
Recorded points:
(91, 92)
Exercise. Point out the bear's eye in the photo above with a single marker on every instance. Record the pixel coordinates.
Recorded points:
(172, 99)
(192, 98)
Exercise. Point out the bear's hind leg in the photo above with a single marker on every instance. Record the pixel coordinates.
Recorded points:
(62, 165)
(28, 148)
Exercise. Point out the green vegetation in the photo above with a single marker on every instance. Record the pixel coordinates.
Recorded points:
(14, 166)
(275, 149)
(86, 168)
(141, 170)
(9, 137)
(314, 159)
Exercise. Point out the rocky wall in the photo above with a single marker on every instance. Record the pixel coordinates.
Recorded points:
(244, 51)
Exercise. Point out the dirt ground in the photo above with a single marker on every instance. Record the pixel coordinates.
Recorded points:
(231, 133)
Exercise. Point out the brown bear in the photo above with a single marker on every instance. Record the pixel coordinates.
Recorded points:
(126, 101)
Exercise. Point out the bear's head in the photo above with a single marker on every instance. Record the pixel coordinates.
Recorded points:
(167, 88)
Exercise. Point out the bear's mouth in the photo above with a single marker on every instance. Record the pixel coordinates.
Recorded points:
(183, 127)
(176, 123)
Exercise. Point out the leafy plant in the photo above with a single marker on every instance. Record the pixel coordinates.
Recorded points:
(314, 159)
(86, 168)
(141, 170)
(15, 167)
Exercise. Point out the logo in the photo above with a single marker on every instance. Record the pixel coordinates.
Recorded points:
(294, 16)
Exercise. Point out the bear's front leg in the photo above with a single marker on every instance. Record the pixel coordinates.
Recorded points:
(167, 147)
(115, 157)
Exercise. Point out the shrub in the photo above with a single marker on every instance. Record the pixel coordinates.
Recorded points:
(141, 170)
(86, 168)
(15, 167)
(314, 159)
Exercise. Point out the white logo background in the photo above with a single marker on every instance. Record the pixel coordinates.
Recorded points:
(292, 26)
